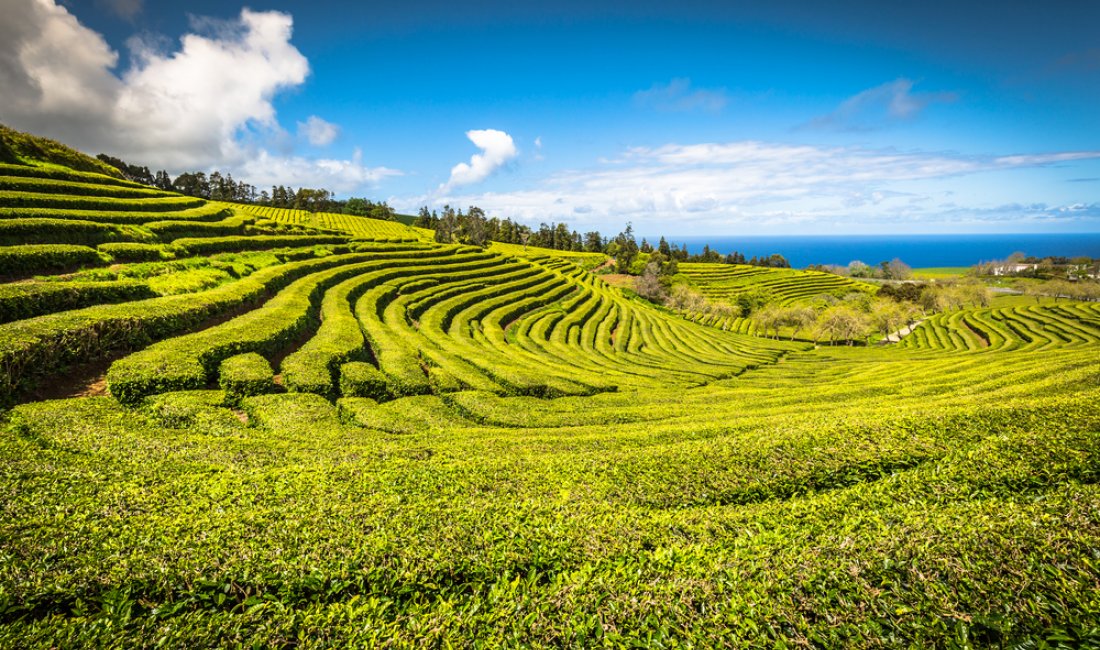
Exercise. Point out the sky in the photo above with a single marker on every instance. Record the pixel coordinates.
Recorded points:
(686, 118)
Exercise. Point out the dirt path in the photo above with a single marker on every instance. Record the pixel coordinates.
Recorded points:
(897, 336)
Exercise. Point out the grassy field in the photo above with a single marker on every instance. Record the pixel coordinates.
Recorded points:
(940, 272)
(268, 429)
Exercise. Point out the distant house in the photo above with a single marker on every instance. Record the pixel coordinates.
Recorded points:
(1012, 268)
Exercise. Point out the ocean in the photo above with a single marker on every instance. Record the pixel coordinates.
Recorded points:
(917, 251)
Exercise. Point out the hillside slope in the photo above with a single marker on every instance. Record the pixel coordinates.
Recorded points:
(322, 431)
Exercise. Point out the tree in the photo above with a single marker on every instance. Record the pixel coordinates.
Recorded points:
(841, 322)
(648, 284)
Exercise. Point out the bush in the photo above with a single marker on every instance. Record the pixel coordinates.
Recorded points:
(135, 252)
(209, 245)
(66, 201)
(19, 301)
(39, 347)
(361, 379)
(206, 212)
(40, 258)
(15, 232)
(171, 230)
(245, 375)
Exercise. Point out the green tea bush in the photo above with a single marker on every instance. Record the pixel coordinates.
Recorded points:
(361, 379)
(10, 200)
(135, 252)
(173, 230)
(210, 245)
(245, 375)
(27, 300)
(39, 258)
(58, 231)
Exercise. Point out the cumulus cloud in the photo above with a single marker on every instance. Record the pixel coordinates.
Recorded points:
(318, 132)
(206, 103)
(497, 148)
(875, 107)
(749, 184)
(679, 95)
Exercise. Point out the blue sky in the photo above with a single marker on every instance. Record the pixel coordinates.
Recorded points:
(686, 118)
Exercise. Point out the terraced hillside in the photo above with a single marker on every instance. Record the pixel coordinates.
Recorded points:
(349, 437)
(725, 281)
(1029, 327)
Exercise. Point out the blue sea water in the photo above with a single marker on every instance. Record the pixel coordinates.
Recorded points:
(915, 250)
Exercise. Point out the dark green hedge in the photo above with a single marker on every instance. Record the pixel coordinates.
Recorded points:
(245, 375)
(209, 245)
(14, 232)
(361, 379)
(43, 346)
(41, 258)
(134, 252)
(37, 200)
(200, 213)
(83, 187)
(19, 301)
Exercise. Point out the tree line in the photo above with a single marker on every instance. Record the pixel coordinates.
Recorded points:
(217, 186)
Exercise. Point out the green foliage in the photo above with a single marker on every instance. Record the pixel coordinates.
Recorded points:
(361, 379)
(134, 252)
(14, 232)
(38, 258)
(27, 300)
(210, 245)
(171, 230)
(189, 281)
(24, 147)
(245, 375)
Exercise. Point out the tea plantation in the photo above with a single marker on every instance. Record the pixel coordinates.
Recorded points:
(231, 425)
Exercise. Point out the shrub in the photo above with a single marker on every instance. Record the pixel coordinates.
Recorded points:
(39, 258)
(19, 301)
(65, 231)
(208, 245)
(245, 375)
(361, 379)
(135, 252)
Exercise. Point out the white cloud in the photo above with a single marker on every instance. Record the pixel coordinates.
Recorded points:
(318, 132)
(875, 107)
(342, 176)
(497, 148)
(679, 95)
(751, 185)
(205, 104)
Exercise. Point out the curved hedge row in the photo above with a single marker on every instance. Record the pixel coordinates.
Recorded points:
(10, 200)
(14, 232)
(40, 258)
(206, 212)
(27, 300)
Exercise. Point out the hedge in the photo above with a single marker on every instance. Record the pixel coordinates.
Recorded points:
(206, 212)
(41, 258)
(188, 362)
(209, 245)
(84, 187)
(37, 200)
(244, 375)
(42, 346)
(19, 301)
(361, 379)
(14, 232)
(170, 230)
(59, 173)
(135, 252)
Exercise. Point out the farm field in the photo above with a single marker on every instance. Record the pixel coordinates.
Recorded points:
(231, 425)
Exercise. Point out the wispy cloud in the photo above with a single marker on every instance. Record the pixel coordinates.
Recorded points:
(497, 148)
(753, 184)
(318, 132)
(879, 106)
(680, 95)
